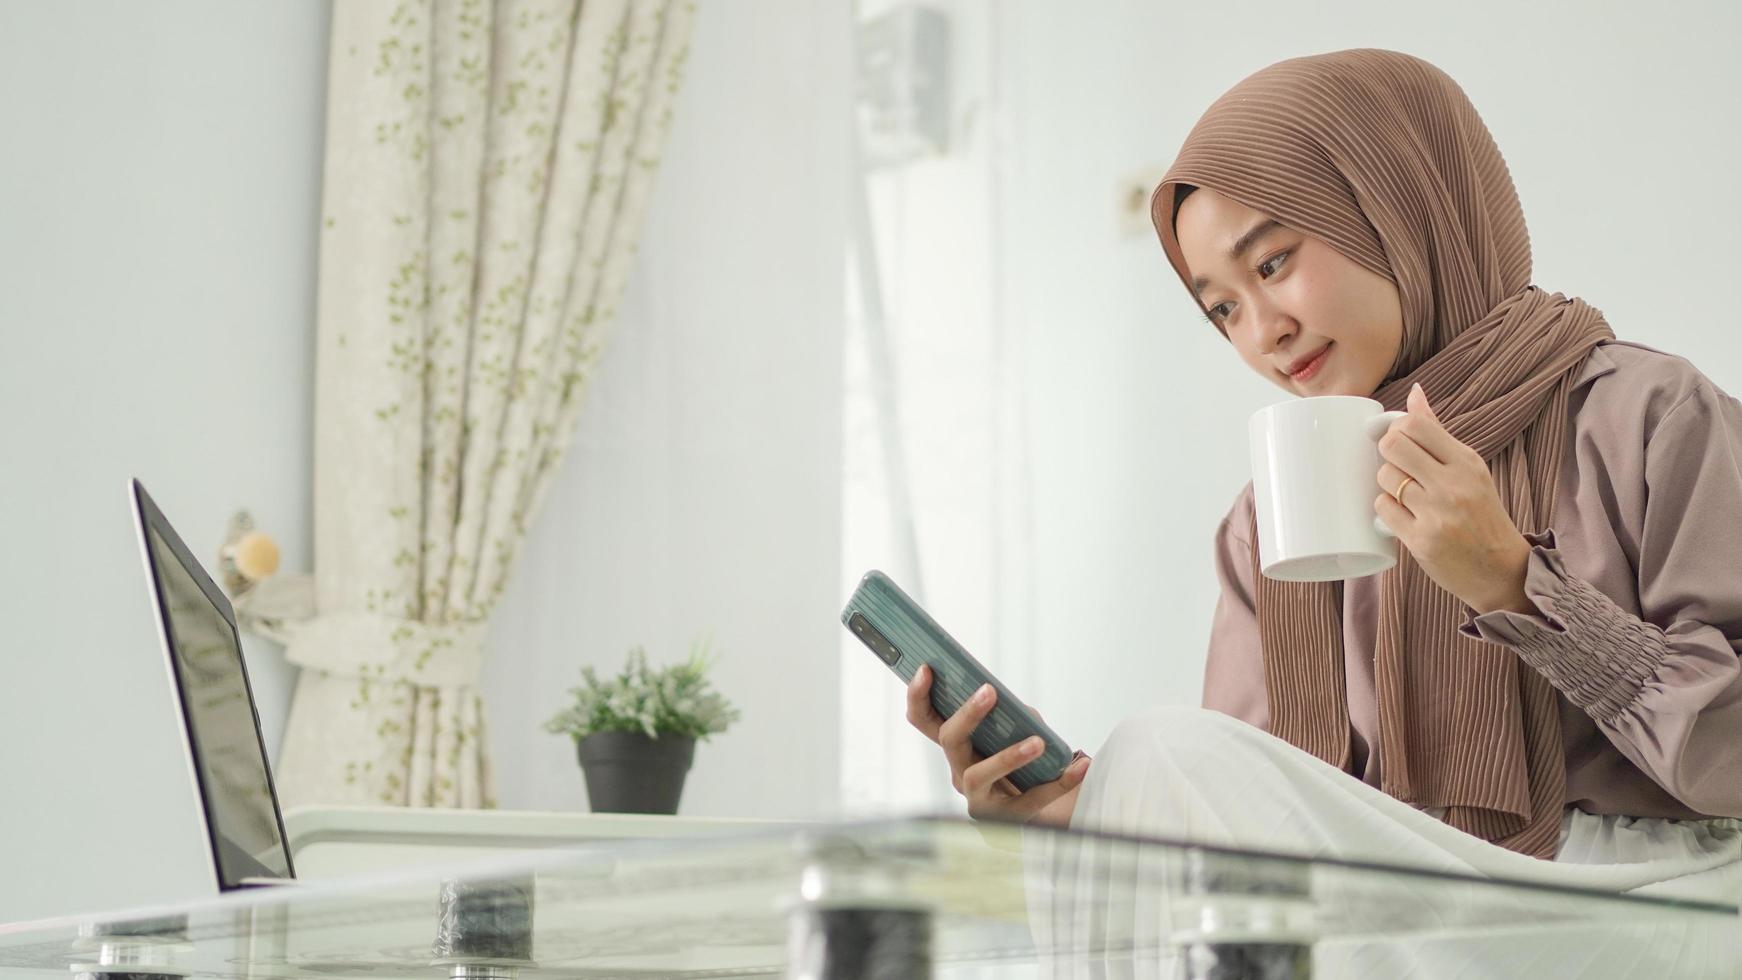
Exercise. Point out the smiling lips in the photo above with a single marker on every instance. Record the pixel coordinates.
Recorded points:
(1305, 368)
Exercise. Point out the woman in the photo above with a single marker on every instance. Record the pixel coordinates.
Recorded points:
(1547, 684)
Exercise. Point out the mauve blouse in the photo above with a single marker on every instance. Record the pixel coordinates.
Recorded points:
(1638, 590)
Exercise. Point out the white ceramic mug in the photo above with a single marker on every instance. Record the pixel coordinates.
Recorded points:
(1314, 463)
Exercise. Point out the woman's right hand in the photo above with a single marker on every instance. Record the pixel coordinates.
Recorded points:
(983, 781)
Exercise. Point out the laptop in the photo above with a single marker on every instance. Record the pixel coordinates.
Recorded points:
(226, 753)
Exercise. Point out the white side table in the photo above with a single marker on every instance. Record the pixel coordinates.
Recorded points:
(339, 841)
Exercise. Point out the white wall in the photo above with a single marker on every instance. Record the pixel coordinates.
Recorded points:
(702, 493)
(159, 190)
(1619, 130)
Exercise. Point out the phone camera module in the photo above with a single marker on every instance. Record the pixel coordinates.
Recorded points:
(875, 640)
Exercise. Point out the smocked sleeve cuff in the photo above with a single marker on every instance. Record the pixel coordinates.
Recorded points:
(1590, 649)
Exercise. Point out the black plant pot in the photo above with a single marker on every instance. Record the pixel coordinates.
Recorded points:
(627, 772)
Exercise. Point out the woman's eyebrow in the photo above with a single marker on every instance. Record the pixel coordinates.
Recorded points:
(1241, 246)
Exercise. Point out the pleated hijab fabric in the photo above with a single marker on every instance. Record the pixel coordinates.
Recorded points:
(1382, 156)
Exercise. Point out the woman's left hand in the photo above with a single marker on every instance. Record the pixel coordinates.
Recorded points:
(1441, 502)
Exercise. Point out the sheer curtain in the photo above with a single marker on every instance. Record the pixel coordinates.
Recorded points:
(934, 482)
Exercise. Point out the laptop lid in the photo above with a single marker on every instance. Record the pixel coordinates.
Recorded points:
(209, 680)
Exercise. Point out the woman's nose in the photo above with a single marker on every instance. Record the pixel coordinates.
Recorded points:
(1273, 326)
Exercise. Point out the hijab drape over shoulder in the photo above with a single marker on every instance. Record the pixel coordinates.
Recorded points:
(1381, 156)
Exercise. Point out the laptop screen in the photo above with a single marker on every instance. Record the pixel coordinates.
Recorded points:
(229, 756)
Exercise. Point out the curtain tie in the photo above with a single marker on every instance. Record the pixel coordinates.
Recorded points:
(366, 645)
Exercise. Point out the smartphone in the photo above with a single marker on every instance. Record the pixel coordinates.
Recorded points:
(903, 636)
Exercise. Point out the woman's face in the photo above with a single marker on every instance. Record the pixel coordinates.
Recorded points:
(1300, 313)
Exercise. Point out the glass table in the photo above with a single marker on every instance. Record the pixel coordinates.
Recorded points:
(892, 899)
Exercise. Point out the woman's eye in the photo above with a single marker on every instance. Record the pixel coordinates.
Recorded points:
(1218, 313)
(1271, 265)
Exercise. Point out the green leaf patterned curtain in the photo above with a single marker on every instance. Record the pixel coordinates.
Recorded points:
(487, 168)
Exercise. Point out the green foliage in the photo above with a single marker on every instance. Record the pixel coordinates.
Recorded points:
(677, 700)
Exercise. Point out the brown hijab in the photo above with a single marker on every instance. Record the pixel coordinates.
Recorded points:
(1382, 156)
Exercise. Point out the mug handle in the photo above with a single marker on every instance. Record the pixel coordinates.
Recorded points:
(1377, 426)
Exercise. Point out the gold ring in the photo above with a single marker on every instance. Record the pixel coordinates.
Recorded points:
(1407, 480)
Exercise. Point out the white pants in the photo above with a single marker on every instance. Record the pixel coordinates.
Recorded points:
(1200, 776)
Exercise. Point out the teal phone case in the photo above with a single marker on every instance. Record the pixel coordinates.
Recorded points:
(911, 638)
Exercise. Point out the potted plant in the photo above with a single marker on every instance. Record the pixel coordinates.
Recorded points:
(636, 733)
